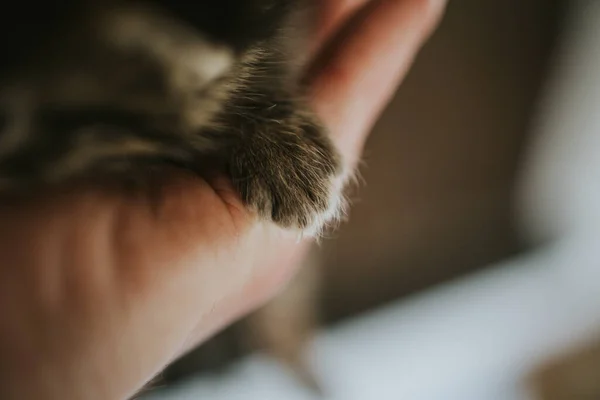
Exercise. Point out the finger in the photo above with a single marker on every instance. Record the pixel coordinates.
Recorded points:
(361, 74)
(406, 28)
(399, 25)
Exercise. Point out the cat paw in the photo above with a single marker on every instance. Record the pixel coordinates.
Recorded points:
(293, 178)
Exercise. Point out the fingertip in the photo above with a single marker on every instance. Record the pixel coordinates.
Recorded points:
(358, 76)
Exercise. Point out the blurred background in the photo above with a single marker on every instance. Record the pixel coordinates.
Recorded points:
(469, 268)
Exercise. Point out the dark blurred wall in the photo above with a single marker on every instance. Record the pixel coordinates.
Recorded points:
(441, 163)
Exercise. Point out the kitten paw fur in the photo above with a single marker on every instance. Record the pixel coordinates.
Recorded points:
(295, 180)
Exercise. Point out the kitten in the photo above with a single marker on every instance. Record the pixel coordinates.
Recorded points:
(95, 87)
(98, 86)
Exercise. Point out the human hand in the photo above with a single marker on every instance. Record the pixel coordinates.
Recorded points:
(101, 288)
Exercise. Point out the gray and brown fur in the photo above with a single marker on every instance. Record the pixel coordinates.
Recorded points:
(95, 87)
(115, 85)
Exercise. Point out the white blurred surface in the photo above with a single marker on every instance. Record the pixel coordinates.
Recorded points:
(476, 338)
(471, 340)
(560, 190)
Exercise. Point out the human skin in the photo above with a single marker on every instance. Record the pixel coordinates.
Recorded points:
(100, 287)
